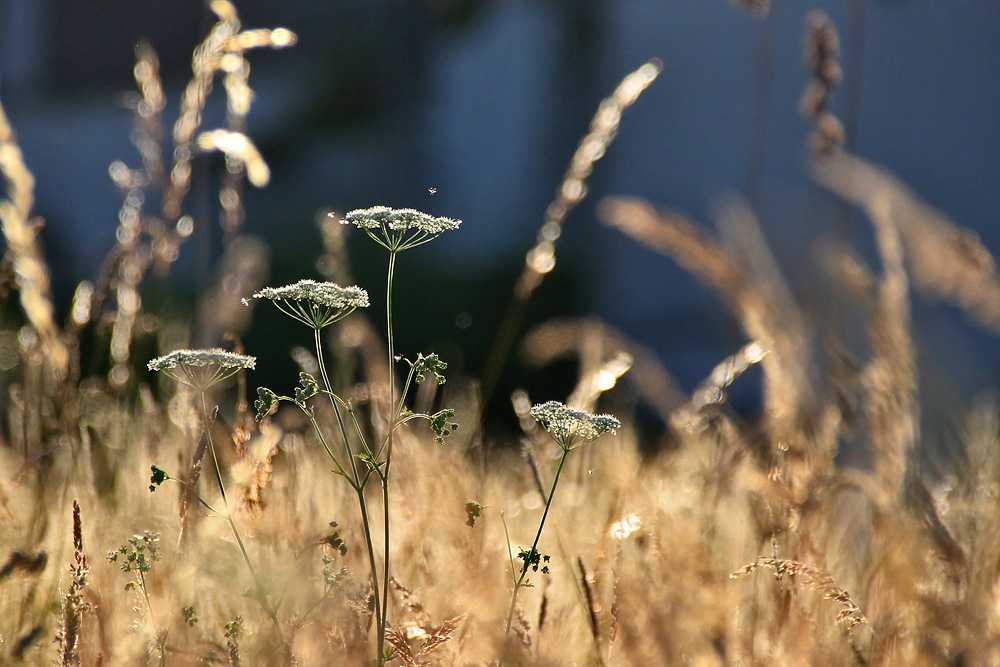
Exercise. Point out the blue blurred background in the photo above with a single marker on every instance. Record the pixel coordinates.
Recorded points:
(382, 101)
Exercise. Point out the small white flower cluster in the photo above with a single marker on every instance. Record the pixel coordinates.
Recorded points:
(200, 369)
(316, 305)
(211, 357)
(401, 219)
(571, 427)
(399, 229)
(322, 294)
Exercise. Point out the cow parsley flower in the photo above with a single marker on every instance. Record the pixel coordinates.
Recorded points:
(399, 229)
(570, 427)
(315, 304)
(201, 369)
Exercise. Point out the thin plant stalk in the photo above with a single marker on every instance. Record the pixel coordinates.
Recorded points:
(232, 523)
(384, 476)
(531, 552)
(161, 642)
(357, 484)
(570, 428)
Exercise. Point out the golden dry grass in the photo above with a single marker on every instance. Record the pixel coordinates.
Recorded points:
(742, 543)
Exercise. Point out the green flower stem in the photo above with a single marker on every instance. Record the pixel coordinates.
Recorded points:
(527, 559)
(161, 639)
(329, 389)
(384, 476)
(359, 488)
(357, 483)
(397, 420)
(357, 429)
(329, 452)
(232, 524)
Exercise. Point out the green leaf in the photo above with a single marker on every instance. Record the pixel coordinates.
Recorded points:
(157, 478)
(441, 426)
(429, 364)
(307, 389)
(473, 510)
(264, 404)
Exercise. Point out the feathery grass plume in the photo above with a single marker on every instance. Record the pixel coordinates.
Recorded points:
(712, 390)
(890, 377)
(816, 579)
(73, 604)
(599, 370)
(585, 582)
(129, 271)
(143, 240)
(889, 380)
(541, 259)
(215, 53)
(597, 343)
(944, 260)
(821, 50)
(236, 146)
(129, 259)
(603, 128)
(238, 99)
(31, 274)
(148, 107)
(242, 269)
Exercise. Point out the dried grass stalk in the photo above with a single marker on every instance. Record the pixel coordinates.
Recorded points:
(945, 260)
(603, 128)
(403, 651)
(541, 259)
(816, 579)
(764, 313)
(74, 605)
(821, 52)
(571, 337)
(20, 231)
(441, 634)
(238, 146)
(712, 390)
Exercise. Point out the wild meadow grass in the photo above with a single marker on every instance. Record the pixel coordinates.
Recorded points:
(350, 518)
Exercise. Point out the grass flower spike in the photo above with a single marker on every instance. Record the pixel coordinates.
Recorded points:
(399, 229)
(200, 369)
(571, 428)
(316, 305)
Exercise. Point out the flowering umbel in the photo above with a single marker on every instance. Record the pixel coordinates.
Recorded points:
(570, 427)
(201, 369)
(398, 229)
(315, 304)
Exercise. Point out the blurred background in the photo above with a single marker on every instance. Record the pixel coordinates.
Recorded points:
(473, 109)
